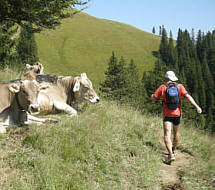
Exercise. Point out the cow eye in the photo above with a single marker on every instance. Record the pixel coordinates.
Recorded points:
(86, 88)
(24, 92)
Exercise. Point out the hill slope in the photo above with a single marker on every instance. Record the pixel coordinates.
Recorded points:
(106, 147)
(85, 44)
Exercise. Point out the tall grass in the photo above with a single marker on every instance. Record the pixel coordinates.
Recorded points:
(108, 146)
(202, 146)
(105, 147)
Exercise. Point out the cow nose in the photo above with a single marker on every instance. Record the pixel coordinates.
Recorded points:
(34, 108)
(97, 99)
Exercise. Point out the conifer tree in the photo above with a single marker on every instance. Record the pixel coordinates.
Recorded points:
(172, 55)
(180, 52)
(199, 48)
(164, 47)
(160, 31)
(106, 86)
(37, 15)
(193, 36)
(209, 83)
(153, 30)
(114, 85)
(133, 91)
(211, 54)
(27, 48)
(7, 44)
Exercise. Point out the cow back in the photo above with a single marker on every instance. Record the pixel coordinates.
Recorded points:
(46, 78)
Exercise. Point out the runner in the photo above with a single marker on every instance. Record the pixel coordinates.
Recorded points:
(171, 94)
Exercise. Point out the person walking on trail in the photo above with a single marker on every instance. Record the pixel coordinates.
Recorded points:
(171, 94)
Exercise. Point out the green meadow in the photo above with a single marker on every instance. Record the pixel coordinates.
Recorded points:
(85, 44)
(108, 146)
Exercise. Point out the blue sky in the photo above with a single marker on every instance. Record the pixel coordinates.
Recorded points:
(144, 14)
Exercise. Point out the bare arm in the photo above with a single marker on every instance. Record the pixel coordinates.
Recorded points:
(192, 101)
(153, 98)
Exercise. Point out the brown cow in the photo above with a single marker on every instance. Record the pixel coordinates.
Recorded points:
(65, 93)
(17, 97)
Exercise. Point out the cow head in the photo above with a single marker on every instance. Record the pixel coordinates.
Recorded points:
(83, 89)
(37, 68)
(27, 93)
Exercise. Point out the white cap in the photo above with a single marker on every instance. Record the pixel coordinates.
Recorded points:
(171, 76)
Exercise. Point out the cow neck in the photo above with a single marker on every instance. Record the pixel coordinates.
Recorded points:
(68, 86)
(15, 109)
(17, 102)
(71, 96)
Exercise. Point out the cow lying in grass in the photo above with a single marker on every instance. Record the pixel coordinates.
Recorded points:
(17, 98)
(65, 93)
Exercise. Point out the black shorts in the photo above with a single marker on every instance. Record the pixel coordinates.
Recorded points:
(174, 120)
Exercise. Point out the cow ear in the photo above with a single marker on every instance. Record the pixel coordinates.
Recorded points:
(14, 88)
(28, 67)
(83, 76)
(76, 86)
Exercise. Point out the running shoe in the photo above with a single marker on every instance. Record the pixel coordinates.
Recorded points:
(174, 151)
(170, 158)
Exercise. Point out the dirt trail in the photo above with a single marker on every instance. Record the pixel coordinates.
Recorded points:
(170, 175)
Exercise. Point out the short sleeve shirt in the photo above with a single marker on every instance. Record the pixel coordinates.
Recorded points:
(161, 93)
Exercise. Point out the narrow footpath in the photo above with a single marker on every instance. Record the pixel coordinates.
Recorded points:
(170, 175)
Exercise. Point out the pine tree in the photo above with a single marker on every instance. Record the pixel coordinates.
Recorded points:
(172, 55)
(121, 79)
(106, 86)
(199, 48)
(201, 89)
(37, 15)
(160, 30)
(133, 91)
(153, 30)
(209, 83)
(114, 85)
(27, 48)
(7, 44)
(211, 54)
(193, 36)
(164, 47)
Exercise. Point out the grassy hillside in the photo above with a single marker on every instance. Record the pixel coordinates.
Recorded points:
(106, 147)
(85, 44)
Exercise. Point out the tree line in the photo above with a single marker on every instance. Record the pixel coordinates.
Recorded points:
(191, 58)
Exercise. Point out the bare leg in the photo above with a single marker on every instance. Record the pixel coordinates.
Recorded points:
(167, 136)
(176, 136)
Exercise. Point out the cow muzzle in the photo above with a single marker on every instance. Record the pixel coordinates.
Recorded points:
(34, 108)
(95, 100)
